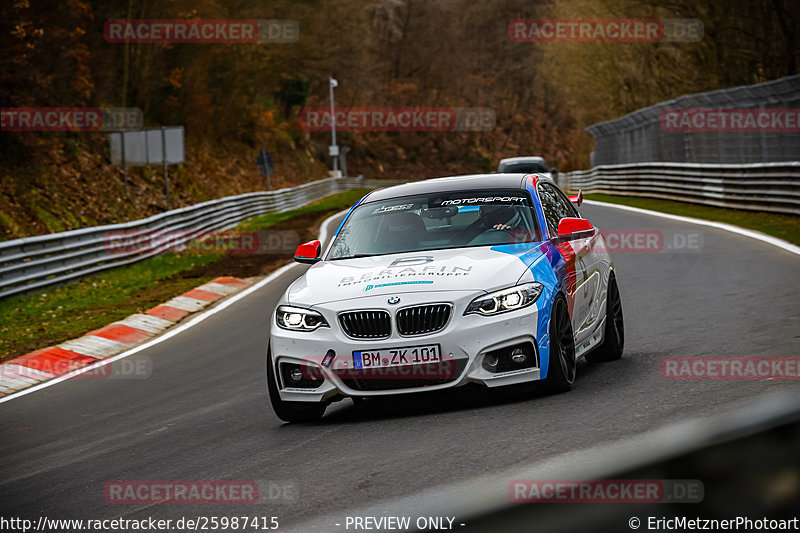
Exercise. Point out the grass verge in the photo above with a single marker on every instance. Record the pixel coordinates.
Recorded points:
(786, 227)
(54, 315)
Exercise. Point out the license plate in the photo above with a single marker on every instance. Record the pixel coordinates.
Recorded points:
(391, 357)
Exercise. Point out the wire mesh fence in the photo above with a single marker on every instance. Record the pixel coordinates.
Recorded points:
(749, 124)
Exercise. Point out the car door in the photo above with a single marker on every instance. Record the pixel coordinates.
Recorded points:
(583, 275)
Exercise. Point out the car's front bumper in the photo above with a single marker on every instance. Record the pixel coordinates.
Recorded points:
(465, 341)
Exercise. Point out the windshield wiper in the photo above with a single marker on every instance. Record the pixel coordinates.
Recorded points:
(354, 256)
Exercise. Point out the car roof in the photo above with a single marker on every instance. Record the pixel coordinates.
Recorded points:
(471, 182)
(522, 159)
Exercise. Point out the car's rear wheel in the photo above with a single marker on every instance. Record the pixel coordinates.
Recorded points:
(562, 365)
(290, 411)
(614, 334)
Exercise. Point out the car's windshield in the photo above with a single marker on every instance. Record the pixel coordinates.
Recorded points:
(524, 167)
(437, 221)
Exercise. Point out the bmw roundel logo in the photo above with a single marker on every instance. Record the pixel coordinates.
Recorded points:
(394, 300)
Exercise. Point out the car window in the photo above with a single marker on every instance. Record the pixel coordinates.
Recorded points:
(523, 168)
(455, 219)
(555, 206)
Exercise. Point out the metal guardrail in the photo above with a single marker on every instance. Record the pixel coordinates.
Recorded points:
(773, 187)
(33, 263)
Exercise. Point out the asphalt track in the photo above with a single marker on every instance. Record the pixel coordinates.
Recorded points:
(203, 414)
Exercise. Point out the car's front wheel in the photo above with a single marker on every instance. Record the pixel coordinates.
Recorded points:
(562, 366)
(290, 411)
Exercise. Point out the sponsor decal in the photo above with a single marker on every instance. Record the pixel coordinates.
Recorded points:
(485, 200)
(389, 273)
(424, 282)
(390, 208)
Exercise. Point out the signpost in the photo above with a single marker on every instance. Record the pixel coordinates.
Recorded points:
(343, 156)
(157, 146)
(333, 151)
(265, 166)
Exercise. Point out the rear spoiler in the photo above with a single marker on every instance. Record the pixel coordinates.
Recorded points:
(577, 198)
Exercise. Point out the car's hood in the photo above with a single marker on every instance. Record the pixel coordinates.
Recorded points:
(479, 269)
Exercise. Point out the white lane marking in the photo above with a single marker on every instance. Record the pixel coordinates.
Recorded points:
(763, 237)
(323, 235)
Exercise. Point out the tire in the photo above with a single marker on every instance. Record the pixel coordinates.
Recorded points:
(614, 333)
(562, 365)
(290, 411)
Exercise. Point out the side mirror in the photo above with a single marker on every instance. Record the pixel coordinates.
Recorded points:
(308, 252)
(577, 199)
(574, 228)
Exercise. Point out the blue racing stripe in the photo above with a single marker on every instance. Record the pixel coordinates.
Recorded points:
(548, 267)
(350, 211)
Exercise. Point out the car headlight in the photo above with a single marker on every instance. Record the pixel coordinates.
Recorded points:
(505, 300)
(299, 319)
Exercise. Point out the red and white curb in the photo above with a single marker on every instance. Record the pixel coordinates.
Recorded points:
(98, 345)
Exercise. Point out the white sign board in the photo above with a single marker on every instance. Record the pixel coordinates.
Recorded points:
(174, 142)
(146, 147)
